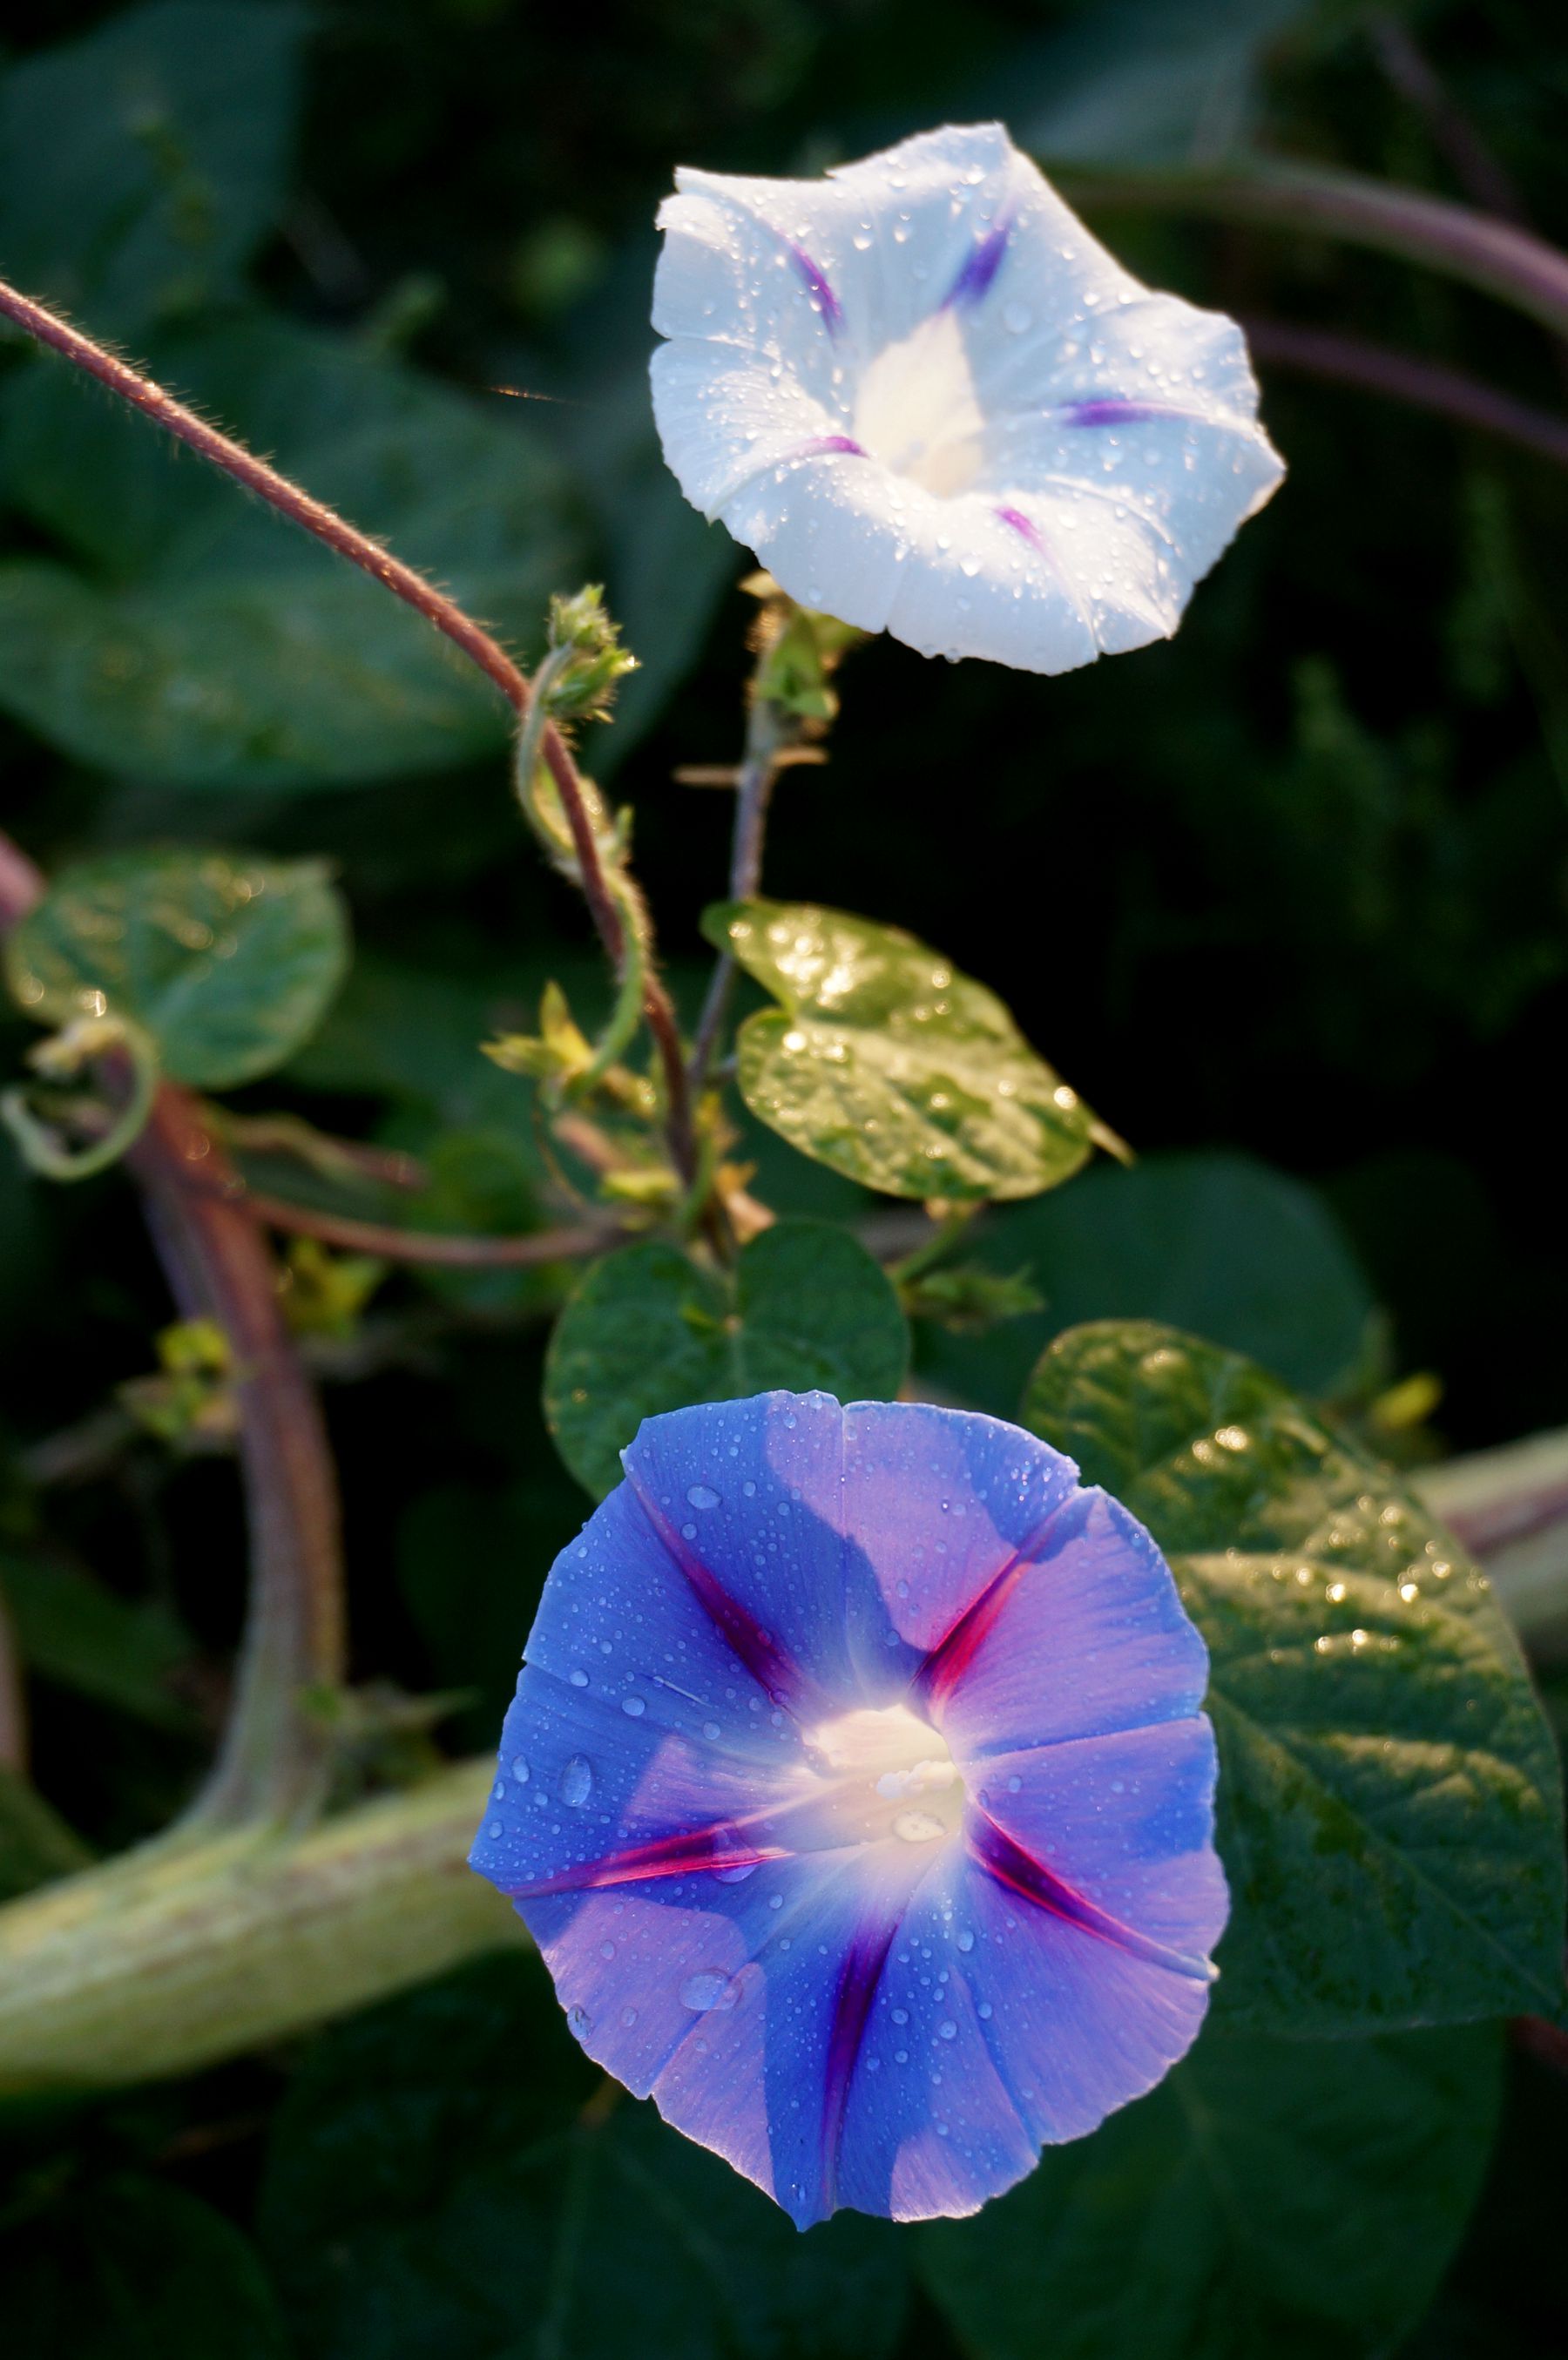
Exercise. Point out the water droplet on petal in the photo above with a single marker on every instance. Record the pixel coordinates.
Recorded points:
(708, 1989)
(577, 1781)
(703, 1496)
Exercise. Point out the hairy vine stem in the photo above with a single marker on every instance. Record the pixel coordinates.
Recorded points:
(432, 1249)
(272, 1761)
(290, 500)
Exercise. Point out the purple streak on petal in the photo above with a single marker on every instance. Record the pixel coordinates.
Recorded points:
(1107, 410)
(757, 1649)
(980, 265)
(614, 1578)
(1073, 2027)
(1043, 547)
(862, 1972)
(769, 1475)
(952, 1656)
(930, 2126)
(1030, 532)
(937, 1503)
(1087, 1637)
(820, 445)
(827, 302)
(1019, 1871)
(722, 1847)
(720, 1999)
(1126, 1820)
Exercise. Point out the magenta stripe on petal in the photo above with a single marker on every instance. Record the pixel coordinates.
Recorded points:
(722, 1848)
(1011, 1866)
(757, 1649)
(862, 1965)
(820, 445)
(1020, 524)
(826, 300)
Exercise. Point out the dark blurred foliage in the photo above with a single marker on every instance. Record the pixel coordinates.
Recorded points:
(1294, 887)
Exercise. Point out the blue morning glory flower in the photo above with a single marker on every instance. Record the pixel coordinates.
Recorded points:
(857, 1794)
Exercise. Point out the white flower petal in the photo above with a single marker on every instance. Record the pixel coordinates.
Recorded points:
(932, 403)
(722, 420)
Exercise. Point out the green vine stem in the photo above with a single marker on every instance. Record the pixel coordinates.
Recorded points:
(313, 516)
(273, 1762)
(168, 1960)
(1497, 257)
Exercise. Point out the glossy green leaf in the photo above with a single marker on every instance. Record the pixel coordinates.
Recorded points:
(450, 2180)
(1390, 1809)
(1287, 2199)
(1219, 1245)
(884, 1062)
(650, 1330)
(228, 962)
(198, 640)
(140, 166)
(130, 2269)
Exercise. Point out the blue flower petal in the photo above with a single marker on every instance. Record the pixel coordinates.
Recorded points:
(999, 2027)
(857, 1795)
(719, 1998)
(1085, 1634)
(853, 1538)
(1125, 1822)
(747, 1496)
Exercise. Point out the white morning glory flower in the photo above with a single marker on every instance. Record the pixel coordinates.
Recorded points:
(932, 404)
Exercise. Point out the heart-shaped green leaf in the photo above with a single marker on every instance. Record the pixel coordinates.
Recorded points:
(196, 640)
(1390, 1810)
(1288, 2198)
(884, 1062)
(227, 962)
(650, 1330)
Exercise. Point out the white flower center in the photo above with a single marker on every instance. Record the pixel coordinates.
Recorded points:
(917, 409)
(887, 1774)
